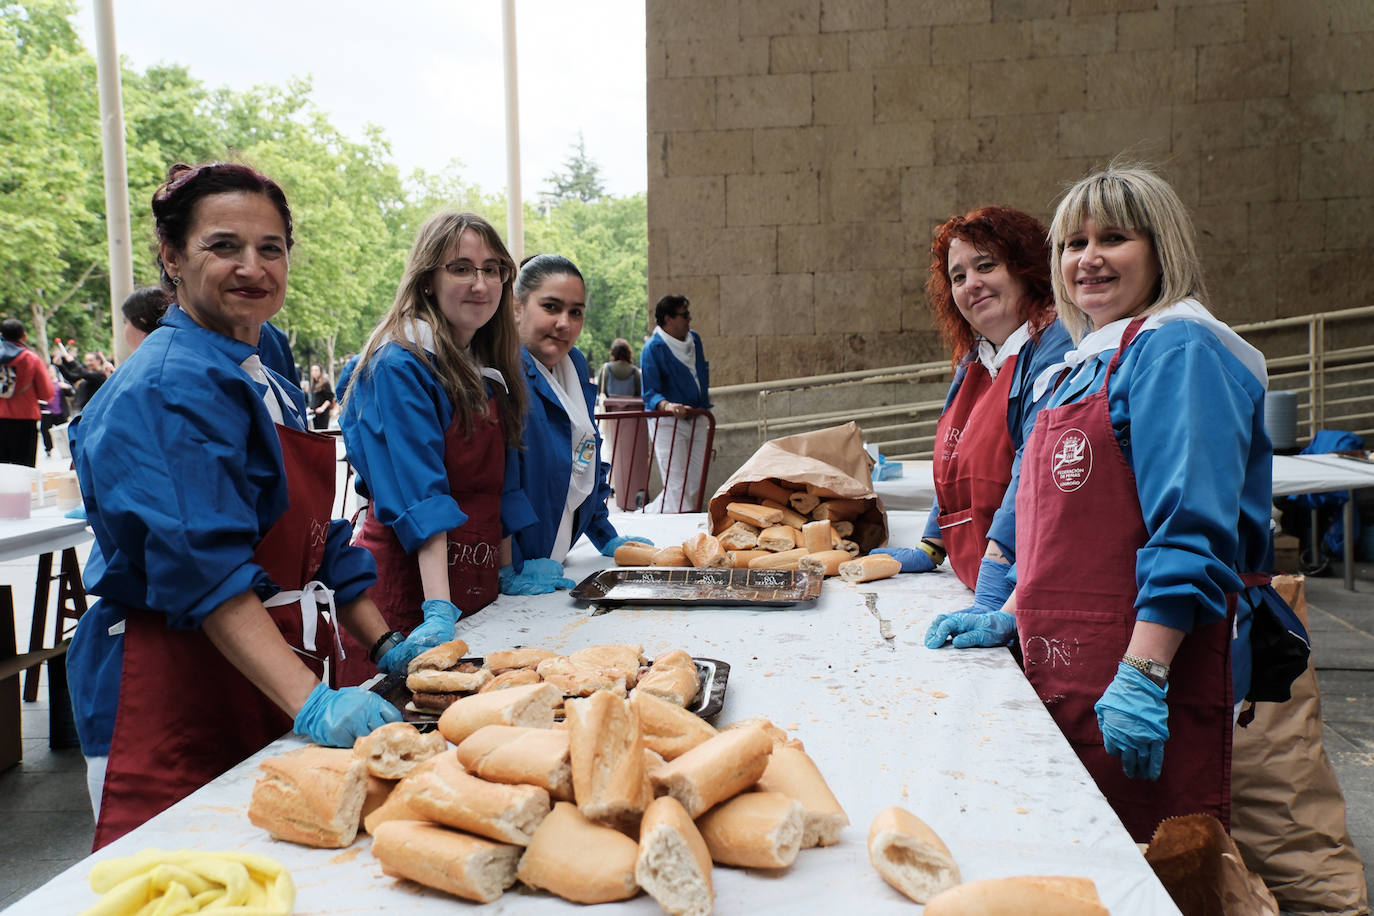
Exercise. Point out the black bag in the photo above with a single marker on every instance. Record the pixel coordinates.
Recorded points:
(1278, 646)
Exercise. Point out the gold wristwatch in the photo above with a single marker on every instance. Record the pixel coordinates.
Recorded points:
(1155, 671)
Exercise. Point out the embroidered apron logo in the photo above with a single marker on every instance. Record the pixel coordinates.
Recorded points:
(952, 443)
(1073, 460)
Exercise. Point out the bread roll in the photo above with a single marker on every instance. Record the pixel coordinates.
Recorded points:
(789, 518)
(866, 569)
(672, 677)
(1031, 895)
(753, 514)
(840, 509)
(446, 860)
(816, 536)
(394, 749)
(705, 552)
(842, 527)
(378, 791)
(910, 855)
(520, 756)
(576, 680)
(794, 774)
(666, 727)
(787, 559)
(825, 562)
(635, 554)
(775, 734)
(312, 796)
(396, 807)
(754, 830)
(848, 547)
(607, 756)
(516, 677)
(769, 489)
(442, 791)
(805, 503)
(739, 536)
(531, 705)
(715, 770)
(671, 556)
(428, 680)
(777, 538)
(507, 659)
(625, 659)
(578, 860)
(443, 656)
(674, 865)
(740, 559)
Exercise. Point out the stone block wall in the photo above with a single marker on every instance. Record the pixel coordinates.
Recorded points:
(800, 152)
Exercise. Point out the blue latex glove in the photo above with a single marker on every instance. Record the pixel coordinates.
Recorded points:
(994, 588)
(537, 577)
(972, 630)
(437, 627)
(1134, 722)
(334, 718)
(913, 559)
(622, 540)
(78, 512)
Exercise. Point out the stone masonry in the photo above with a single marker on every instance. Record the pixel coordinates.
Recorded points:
(800, 152)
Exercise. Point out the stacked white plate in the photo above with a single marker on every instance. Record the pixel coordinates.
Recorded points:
(1281, 418)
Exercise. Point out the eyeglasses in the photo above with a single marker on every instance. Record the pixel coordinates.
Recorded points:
(683, 314)
(467, 272)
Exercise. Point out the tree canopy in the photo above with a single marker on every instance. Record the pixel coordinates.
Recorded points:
(355, 215)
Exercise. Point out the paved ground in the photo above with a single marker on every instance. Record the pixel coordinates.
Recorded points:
(45, 815)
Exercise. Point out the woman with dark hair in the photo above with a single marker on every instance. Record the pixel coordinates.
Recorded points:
(142, 310)
(619, 376)
(989, 290)
(432, 421)
(1152, 448)
(560, 469)
(215, 557)
(321, 398)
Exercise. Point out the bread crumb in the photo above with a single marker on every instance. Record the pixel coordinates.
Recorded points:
(1020, 810)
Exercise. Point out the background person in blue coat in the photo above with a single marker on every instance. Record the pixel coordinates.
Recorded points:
(560, 468)
(676, 377)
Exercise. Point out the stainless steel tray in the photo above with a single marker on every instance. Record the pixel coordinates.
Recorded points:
(693, 586)
(712, 677)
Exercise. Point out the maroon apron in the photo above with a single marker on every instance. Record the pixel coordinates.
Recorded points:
(1079, 526)
(973, 465)
(186, 714)
(476, 467)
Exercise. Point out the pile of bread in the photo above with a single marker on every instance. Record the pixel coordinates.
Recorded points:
(778, 528)
(504, 791)
(441, 675)
(913, 859)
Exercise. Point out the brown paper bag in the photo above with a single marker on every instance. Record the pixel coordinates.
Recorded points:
(1287, 810)
(1200, 868)
(830, 463)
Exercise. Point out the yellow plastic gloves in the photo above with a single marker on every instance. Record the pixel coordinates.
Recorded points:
(159, 882)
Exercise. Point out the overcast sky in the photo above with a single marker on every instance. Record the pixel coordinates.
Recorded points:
(428, 72)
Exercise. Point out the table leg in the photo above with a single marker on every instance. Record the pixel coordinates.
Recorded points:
(1348, 519)
(40, 621)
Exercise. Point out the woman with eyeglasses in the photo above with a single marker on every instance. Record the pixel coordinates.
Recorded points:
(432, 420)
(560, 467)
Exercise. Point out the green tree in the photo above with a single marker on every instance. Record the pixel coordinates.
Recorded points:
(580, 178)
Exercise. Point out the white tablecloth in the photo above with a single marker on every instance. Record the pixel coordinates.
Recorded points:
(914, 490)
(1319, 474)
(47, 530)
(957, 737)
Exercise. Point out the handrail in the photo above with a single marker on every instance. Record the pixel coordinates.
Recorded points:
(1332, 384)
(692, 413)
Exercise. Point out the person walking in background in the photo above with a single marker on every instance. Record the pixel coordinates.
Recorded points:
(24, 383)
(55, 411)
(321, 398)
(142, 311)
(86, 377)
(619, 377)
(676, 378)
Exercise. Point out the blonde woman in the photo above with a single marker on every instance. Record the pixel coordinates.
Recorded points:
(432, 416)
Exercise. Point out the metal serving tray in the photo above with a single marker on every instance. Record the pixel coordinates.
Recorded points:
(712, 677)
(695, 586)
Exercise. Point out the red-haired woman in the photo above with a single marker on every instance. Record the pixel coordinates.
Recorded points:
(990, 291)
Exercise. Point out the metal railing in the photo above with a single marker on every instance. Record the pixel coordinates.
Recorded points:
(1327, 359)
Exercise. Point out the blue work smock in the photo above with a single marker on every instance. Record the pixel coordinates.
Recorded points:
(181, 473)
(665, 378)
(544, 468)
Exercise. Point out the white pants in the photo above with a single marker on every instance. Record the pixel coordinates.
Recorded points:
(95, 781)
(680, 447)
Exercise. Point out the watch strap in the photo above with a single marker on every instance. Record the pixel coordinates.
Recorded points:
(1155, 671)
(384, 645)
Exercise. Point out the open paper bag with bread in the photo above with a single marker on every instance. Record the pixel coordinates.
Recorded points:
(823, 476)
